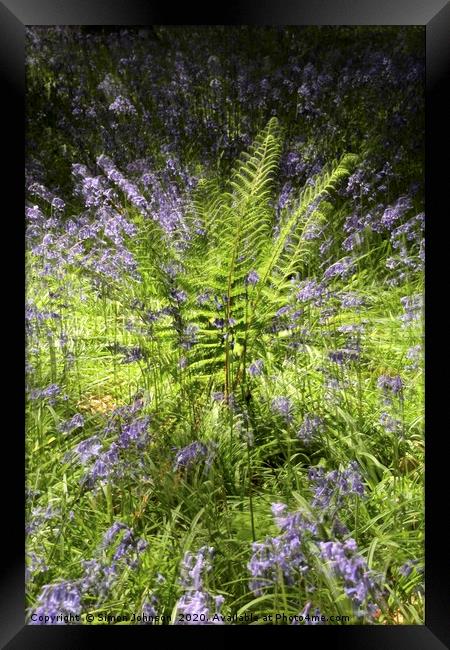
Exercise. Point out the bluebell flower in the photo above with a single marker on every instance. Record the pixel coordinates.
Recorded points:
(282, 555)
(282, 406)
(55, 601)
(104, 468)
(256, 368)
(34, 564)
(391, 424)
(413, 354)
(335, 486)
(311, 617)
(412, 306)
(344, 355)
(390, 383)
(76, 422)
(198, 606)
(189, 455)
(282, 311)
(86, 450)
(50, 393)
(359, 583)
(252, 278)
(135, 432)
(310, 427)
(204, 297)
(186, 456)
(394, 212)
(313, 231)
(189, 336)
(407, 568)
(343, 268)
(309, 290)
(149, 609)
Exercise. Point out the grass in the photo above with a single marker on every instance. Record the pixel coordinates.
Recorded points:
(228, 507)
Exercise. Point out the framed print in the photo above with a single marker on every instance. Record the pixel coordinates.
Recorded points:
(225, 418)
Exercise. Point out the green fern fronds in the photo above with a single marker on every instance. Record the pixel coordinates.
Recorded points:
(234, 231)
(238, 236)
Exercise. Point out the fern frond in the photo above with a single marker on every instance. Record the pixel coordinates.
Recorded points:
(236, 224)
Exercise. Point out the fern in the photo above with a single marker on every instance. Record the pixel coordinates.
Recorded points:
(232, 230)
(238, 223)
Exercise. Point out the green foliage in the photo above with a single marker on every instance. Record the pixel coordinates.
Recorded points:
(175, 347)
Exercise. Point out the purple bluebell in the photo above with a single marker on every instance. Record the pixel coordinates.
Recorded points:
(325, 246)
(284, 198)
(178, 295)
(50, 392)
(256, 368)
(344, 355)
(326, 313)
(412, 306)
(310, 290)
(122, 106)
(104, 468)
(38, 516)
(306, 618)
(58, 204)
(189, 336)
(189, 455)
(351, 329)
(85, 450)
(338, 528)
(111, 534)
(422, 251)
(390, 383)
(407, 568)
(55, 602)
(76, 422)
(252, 278)
(352, 241)
(128, 547)
(395, 211)
(149, 610)
(199, 608)
(282, 311)
(128, 188)
(343, 268)
(411, 230)
(204, 297)
(334, 486)
(37, 189)
(390, 424)
(195, 566)
(197, 605)
(310, 427)
(135, 432)
(313, 231)
(282, 406)
(133, 354)
(359, 583)
(413, 354)
(34, 564)
(283, 555)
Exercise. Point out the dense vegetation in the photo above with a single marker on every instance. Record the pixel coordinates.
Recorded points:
(224, 325)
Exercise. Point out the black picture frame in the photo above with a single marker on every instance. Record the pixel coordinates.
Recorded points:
(14, 16)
